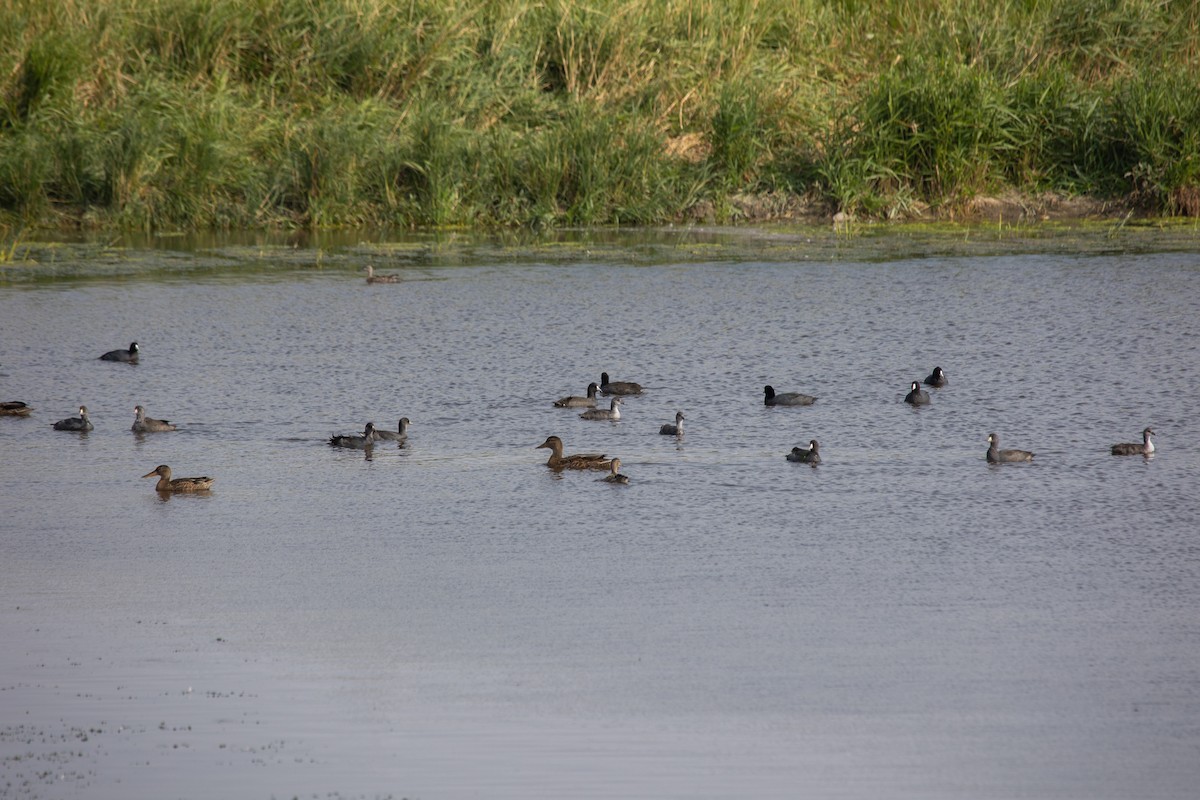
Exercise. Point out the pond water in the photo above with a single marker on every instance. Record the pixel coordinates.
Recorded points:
(450, 618)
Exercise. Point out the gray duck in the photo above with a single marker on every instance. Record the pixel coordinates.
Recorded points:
(367, 439)
(398, 435)
(613, 412)
(1135, 449)
(673, 430)
(144, 424)
(575, 401)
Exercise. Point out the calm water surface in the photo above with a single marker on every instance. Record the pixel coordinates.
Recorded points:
(450, 619)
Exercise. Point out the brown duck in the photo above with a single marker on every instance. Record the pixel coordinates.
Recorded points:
(168, 484)
(578, 461)
(615, 476)
(373, 278)
(14, 408)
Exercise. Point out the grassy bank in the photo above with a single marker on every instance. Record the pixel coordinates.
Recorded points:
(165, 114)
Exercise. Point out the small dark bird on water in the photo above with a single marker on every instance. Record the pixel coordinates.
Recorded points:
(129, 356)
(916, 395)
(998, 456)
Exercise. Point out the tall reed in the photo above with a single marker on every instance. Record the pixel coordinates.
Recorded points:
(159, 114)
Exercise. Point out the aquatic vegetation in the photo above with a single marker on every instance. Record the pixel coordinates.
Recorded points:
(182, 114)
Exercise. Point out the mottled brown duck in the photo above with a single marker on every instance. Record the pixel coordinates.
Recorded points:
(614, 475)
(14, 408)
(168, 484)
(577, 461)
(373, 278)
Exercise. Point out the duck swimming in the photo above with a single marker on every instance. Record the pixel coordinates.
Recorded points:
(80, 423)
(144, 424)
(578, 461)
(168, 484)
(1134, 449)
(786, 399)
(373, 278)
(613, 412)
(14, 408)
(129, 356)
(937, 378)
(997, 456)
(810, 456)
(615, 476)
(398, 435)
(916, 395)
(367, 439)
(574, 401)
(618, 387)
(673, 430)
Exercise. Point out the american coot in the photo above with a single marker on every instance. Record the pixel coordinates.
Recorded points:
(786, 399)
(167, 484)
(612, 412)
(398, 435)
(997, 456)
(80, 423)
(1134, 449)
(916, 395)
(615, 475)
(578, 461)
(14, 408)
(129, 356)
(810, 456)
(144, 424)
(373, 278)
(937, 378)
(673, 430)
(618, 387)
(356, 442)
(574, 401)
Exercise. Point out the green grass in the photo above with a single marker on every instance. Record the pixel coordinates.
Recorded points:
(191, 114)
